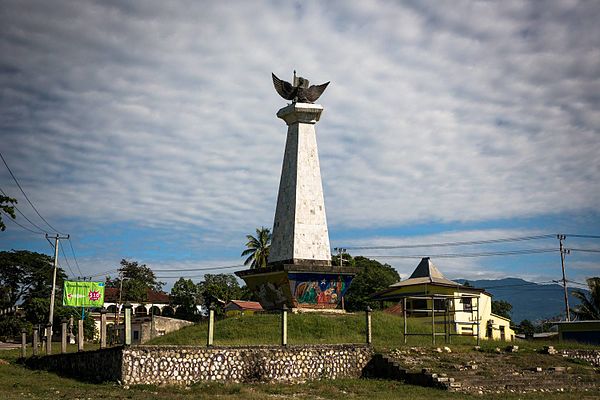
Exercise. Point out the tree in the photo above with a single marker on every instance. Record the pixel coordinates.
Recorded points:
(345, 257)
(589, 307)
(373, 277)
(185, 295)
(5, 206)
(137, 280)
(258, 248)
(219, 288)
(501, 308)
(26, 275)
(526, 328)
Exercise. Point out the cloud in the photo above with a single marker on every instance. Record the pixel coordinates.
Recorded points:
(162, 115)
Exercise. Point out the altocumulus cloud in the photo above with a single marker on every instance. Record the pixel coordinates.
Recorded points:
(162, 114)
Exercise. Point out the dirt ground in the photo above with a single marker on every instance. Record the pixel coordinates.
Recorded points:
(502, 372)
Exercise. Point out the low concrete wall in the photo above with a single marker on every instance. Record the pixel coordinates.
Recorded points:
(95, 366)
(188, 364)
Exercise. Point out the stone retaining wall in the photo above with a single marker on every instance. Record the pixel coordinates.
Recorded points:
(189, 364)
(591, 356)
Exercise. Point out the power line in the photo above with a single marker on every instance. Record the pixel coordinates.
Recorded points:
(24, 227)
(27, 198)
(469, 255)
(581, 236)
(65, 256)
(447, 244)
(198, 269)
(586, 250)
(74, 257)
(24, 216)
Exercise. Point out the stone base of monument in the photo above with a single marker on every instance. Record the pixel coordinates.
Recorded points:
(300, 287)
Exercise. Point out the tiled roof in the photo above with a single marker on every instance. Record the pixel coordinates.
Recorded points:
(111, 295)
(247, 305)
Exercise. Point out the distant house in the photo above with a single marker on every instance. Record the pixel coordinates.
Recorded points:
(241, 307)
(466, 310)
(580, 331)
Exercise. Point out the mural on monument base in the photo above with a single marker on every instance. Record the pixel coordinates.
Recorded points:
(318, 290)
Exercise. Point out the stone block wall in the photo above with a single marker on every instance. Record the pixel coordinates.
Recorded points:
(189, 364)
(591, 356)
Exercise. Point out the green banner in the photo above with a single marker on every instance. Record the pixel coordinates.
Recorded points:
(83, 294)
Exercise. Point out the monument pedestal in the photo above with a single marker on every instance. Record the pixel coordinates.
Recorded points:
(299, 286)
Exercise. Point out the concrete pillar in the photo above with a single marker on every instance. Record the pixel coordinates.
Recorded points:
(71, 334)
(211, 325)
(103, 312)
(128, 308)
(23, 343)
(49, 339)
(36, 340)
(300, 227)
(368, 320)
(284, 314)
(80, 336)
(63, 336)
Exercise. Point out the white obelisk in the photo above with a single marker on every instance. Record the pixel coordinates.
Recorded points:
(300, 233)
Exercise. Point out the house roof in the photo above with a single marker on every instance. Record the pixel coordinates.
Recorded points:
(246, 305)
(426, 272)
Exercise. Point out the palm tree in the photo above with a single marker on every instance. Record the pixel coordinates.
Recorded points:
(258, 248)
(590, 305)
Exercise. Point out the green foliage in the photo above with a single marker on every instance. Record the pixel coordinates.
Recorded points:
(373, 277)
(5, 206)
(258, 248)
(11, 326)
(186, 295)
(501, 308)
(347, 259)
(219, 289)
(589, 308)
(26, 275)
(526, 327)
(137, 280)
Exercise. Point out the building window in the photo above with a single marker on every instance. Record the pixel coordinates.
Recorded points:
(467, 304)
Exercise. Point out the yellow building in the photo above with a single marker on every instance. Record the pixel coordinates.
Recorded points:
(460, 309)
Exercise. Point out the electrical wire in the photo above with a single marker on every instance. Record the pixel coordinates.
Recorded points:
(27, 198)
(60, 246)
(24, 227)
(581, 236)
(470, 255)
(447, 244)
(24, 216)
(586, 250)
(74, 257)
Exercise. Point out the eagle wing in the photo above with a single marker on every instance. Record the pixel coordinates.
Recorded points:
(285, 89)
(315, 91)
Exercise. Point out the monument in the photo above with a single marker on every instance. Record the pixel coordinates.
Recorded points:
(299, 273)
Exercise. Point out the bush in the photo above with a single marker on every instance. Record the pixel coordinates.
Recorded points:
(11, 327)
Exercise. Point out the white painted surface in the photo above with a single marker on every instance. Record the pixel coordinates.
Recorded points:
(300, 226)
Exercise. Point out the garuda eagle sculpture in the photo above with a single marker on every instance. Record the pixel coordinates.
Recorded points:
(301, 93)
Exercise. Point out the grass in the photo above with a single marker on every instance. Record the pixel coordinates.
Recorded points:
(18, 382)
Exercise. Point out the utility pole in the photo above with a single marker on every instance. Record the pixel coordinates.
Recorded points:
(563, 252)
(340, 254)
(51, 316)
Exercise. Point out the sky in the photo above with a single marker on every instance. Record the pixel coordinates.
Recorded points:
(148, 130)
